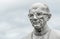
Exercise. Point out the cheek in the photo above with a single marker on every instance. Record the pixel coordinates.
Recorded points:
(45, 18)
(31, 20)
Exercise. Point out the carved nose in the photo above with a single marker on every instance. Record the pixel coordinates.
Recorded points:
(35, 16)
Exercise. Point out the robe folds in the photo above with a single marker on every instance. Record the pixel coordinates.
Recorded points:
(54, 34)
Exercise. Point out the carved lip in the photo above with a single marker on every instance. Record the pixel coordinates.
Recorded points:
(35, 22)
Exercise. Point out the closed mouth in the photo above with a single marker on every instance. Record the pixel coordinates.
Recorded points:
(35, 23)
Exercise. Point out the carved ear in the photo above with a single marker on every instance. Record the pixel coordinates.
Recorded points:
(49, 16)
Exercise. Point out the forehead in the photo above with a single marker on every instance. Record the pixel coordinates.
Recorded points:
(37, 10)
(38, 7)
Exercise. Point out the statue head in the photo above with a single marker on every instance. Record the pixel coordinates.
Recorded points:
(39, 14)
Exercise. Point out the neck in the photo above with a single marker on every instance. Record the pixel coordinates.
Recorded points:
(42, 31)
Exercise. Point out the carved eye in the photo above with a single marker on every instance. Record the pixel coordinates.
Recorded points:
(38, 14)
(30, 15)
(45, 14)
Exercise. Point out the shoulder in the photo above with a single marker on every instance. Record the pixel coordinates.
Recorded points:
(56, 33)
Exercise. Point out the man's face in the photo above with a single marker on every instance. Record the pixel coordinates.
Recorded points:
(38, 18)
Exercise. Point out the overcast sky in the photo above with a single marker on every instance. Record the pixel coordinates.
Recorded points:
(14, 22)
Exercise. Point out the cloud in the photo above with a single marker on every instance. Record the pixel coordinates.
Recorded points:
(14, 21)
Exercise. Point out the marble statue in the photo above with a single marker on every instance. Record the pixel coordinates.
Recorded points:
(39, 15)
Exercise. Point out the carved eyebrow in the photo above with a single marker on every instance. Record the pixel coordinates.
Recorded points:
(39, 12)
(45, 14)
